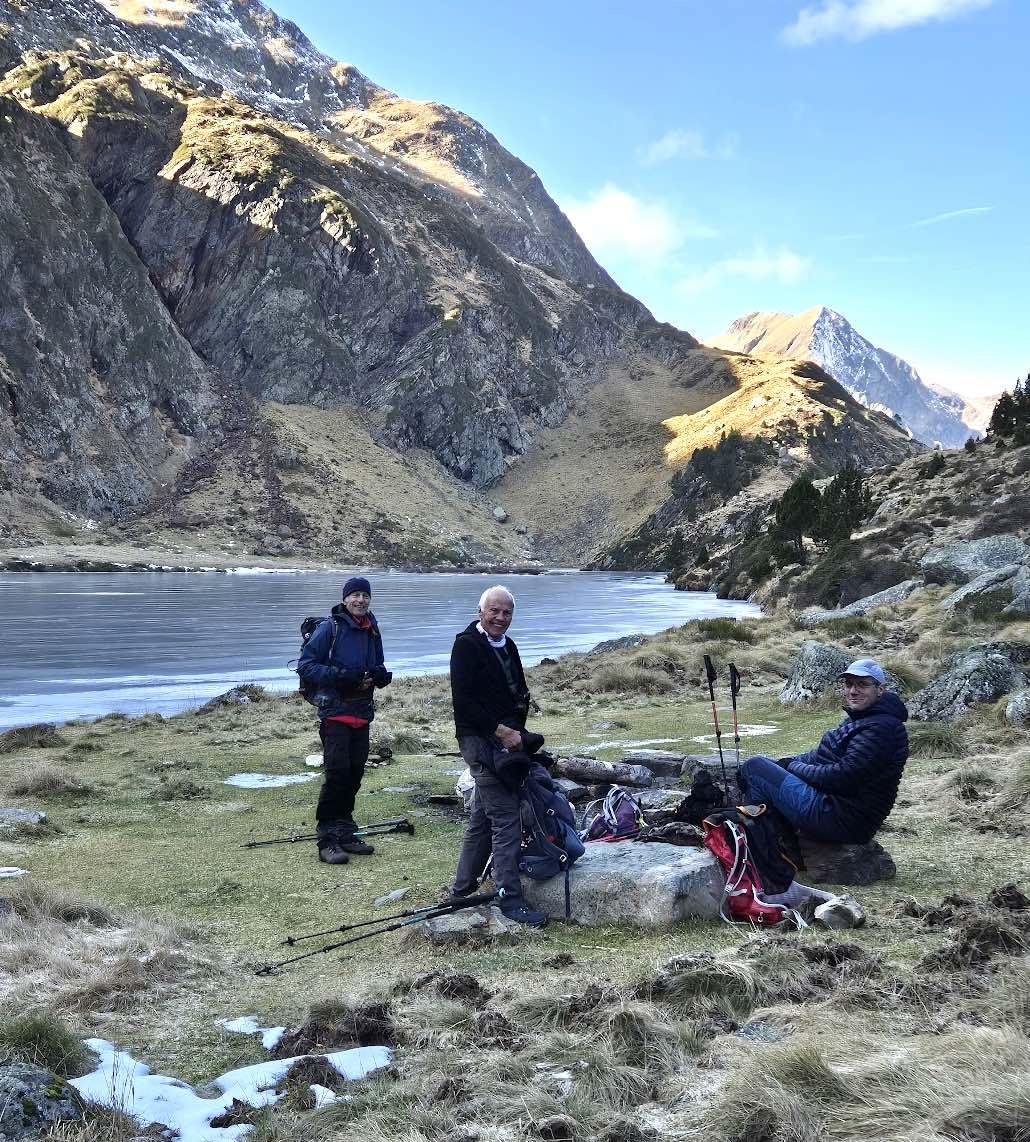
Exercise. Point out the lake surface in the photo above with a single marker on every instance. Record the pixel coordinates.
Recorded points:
(82, 645)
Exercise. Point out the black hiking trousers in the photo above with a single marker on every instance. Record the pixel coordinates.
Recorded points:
(344, 753)
(494, 828)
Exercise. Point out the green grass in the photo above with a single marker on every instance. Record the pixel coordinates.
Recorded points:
(44, 1039)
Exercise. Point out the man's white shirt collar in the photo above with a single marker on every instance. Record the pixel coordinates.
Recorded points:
(496, 643)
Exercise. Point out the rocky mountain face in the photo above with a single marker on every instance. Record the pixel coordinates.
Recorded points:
(873, 376)
(247, 289)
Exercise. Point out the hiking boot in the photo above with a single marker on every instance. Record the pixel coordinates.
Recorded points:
(515, 908)
(332, 852)
(356, 845)
(839, 912)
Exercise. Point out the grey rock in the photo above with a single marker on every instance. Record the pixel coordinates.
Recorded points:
(238, 696)
(611, 772)
(12, 818)
(896, 594)
(661, 762)
(816, 668)
(846, 864)
(982, 584)
(500, 515)
(572, 789)
(482, 925)
(964, 561)
(1017, 712)
(970, 677)
(651, 800)
(645, 885)
(390, 897)
(626, 642)
(32, 1099)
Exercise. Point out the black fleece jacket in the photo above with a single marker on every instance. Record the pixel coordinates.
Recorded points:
(479, 689)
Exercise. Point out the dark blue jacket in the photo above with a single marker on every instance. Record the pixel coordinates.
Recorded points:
(858, 765)
(354, 652)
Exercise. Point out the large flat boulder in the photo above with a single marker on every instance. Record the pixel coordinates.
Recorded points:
(845, 864)
(32, 1100)
(896, 594)
(985, 584)
(645, 885)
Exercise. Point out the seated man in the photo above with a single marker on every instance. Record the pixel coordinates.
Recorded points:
(841, 791)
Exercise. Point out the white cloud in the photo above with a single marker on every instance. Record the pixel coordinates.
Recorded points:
(934, 219)
(683, 144)
(858, 19)
(613, 221)
(783, 266)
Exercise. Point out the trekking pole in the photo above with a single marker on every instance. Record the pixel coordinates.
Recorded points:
(711, 676)
(734, 691)
(379, 828)
(419, 917)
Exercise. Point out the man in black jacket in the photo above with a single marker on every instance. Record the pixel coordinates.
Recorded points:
(491, 701)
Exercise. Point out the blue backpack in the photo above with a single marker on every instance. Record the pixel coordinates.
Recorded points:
(550, 842)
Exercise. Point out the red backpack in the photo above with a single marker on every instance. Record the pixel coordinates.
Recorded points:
(742, 898)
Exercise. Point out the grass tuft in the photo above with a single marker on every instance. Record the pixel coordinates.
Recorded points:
(934, 739)
(42, 1038)
(43, 735)
(723, 630)
(48, 782)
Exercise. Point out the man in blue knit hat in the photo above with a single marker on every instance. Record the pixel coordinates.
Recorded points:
(343, 661)
(843, 790)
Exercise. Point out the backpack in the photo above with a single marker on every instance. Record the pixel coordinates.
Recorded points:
(307, 628)
(743, 897)
(550, 843)
(618, 817)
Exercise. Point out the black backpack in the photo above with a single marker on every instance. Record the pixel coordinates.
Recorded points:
(307, 628)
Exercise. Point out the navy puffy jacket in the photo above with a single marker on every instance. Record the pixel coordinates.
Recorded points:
(355, 651)
(858, 765)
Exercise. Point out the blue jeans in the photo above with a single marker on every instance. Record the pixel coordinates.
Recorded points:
(808, 810)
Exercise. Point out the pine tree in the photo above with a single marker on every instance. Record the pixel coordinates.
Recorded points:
(846, 502)
(797, 513)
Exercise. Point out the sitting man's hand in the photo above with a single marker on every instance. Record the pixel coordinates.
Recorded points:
(509, 738)
(381, 676)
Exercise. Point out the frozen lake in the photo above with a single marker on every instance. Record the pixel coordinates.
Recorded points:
(82, 645)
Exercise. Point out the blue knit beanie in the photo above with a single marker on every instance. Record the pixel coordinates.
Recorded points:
(357, 583)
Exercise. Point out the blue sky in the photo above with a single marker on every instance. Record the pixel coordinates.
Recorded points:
(722, 157)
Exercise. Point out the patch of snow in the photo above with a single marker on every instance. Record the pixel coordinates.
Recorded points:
(10, 871)
(267, 780)
(745, 732)
(120, 1081)
(248, 1025)
(314, 760)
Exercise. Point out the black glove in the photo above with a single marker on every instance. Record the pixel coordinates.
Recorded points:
(783, 762)
(381, 676)
(346, 679)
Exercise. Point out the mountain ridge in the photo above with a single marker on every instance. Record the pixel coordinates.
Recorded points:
(874, 376)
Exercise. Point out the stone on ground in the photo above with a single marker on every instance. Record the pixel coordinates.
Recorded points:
(985, 584)
(1017, 712)
(572, 789)
(12, 818)
(816, 668)
(845, 864)
(629, 882)
(481, 925)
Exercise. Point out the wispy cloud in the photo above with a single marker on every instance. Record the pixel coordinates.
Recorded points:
(613, 221)
(679, 143)
(784, 266)
(932, 221)
(859, 19)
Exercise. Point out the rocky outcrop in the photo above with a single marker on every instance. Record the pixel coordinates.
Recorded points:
(964, 561)
(646, 885)
(32, 1100)
(101, 398)
(816, 668)
(991, 583)
(891, 595)
(971, 677)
